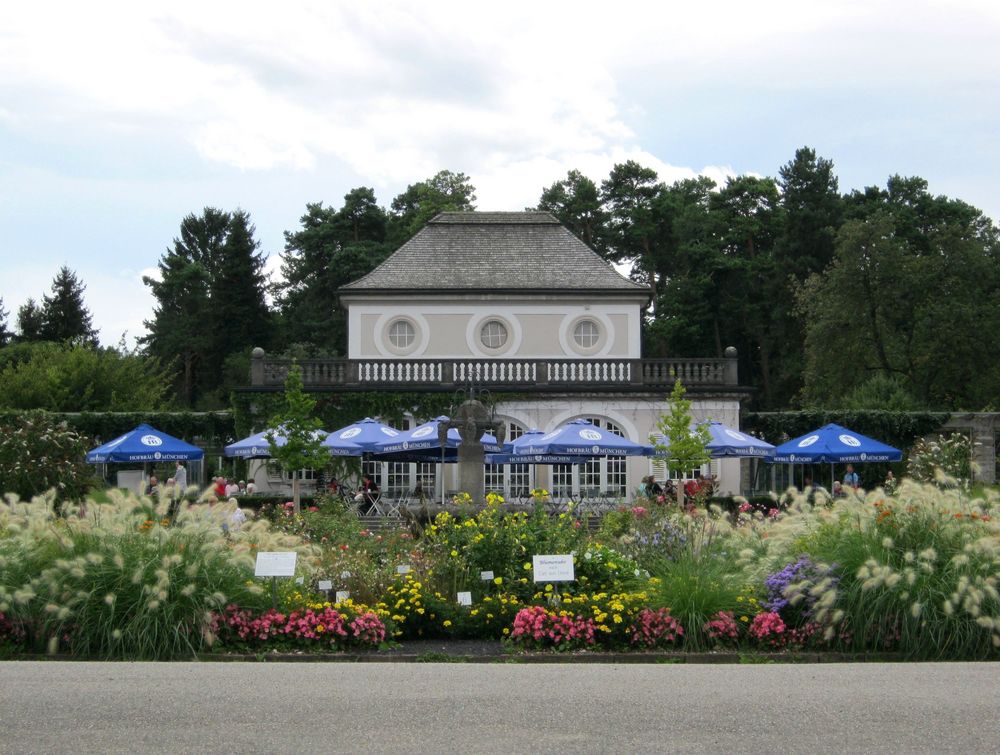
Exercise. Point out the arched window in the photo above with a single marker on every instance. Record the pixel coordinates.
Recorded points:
(510, 480)
(598, 476)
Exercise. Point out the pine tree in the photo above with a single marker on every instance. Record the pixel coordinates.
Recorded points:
(29, 321)
(5, 335)
(64, 315)
(239, 318)
(332, 248)
(181, 326)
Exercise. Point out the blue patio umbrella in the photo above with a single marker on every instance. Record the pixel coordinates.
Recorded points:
(509, 455)
(144, 444)
(535, 459)
(580, 438)
(725, 441)
(363, 436)
(257, 447)
(425, 438)
(834, 444)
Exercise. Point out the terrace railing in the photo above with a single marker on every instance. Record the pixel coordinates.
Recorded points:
(522, 375)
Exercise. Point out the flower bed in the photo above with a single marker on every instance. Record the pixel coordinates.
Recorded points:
(916, 573)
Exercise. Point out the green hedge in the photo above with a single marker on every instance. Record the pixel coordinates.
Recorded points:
(212, 428)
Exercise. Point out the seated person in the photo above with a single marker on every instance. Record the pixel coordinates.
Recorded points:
(153, 487)
(251, 487)
(368, 494)
(655, 489)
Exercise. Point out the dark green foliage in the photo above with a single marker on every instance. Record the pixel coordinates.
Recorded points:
(38, 453)
(443, 192)
(913, 294)
(819, 292)
(5, 335)
(29, 322)
(209, 303)
(64, 315)
(576, 203)
(332, 248)
(73, 378)
(214, 428)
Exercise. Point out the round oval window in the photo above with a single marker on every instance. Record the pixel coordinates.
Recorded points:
(586, 334)
(493, 334)
(401, 334)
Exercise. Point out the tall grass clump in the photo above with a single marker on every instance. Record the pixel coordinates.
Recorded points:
(695, 572)
(128, 578)
(917, 572)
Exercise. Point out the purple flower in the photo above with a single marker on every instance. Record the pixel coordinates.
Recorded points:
(797, 571)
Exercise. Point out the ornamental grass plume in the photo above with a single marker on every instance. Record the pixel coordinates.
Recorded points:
(919, 572)
(125, 579)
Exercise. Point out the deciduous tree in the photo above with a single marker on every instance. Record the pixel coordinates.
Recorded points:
(302, 446)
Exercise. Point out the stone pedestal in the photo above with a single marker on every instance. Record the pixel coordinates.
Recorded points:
(472, 420)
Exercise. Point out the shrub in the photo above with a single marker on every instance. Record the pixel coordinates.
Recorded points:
(722, 629)
(39, 454)
(537, 627)
(655, 629)
(948, 457)
(316, 627)
(123, 580)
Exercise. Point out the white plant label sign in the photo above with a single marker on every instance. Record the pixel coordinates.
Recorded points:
(402, 569)
(553, 568)
(325, 584)
(486, 575)
(275, 564)
(465, 598)
(343, 595)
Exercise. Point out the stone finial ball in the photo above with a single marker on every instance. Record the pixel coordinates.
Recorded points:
(730, 352)
(257, 353)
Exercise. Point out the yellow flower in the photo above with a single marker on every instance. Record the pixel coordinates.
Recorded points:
(454, 553)
(446, 623)
(618, 619)
(420, 611)
(548, 588)
(527, 565)
(498, 580)
(506, 630)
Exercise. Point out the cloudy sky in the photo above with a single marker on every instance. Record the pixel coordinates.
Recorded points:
(118, 119)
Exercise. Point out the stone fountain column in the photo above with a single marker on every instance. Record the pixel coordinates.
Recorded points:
(472, 420)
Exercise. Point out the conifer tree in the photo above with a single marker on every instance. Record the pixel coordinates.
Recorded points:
(64, 315)
(29, 321)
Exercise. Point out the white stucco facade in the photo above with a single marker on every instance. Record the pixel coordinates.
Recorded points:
(521, 328)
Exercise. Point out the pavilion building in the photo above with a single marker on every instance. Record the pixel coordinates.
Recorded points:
(514, 304)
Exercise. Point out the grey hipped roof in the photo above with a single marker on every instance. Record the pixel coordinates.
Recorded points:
(494, 251)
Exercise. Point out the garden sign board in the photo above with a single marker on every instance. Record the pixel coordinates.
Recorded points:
(554, 568)
(275, 564)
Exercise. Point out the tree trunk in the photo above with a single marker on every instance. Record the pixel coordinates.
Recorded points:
(296, 493)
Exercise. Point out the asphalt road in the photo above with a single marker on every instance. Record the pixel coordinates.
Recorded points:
(386, 707)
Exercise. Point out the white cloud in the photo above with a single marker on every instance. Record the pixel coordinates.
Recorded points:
(311, 97)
